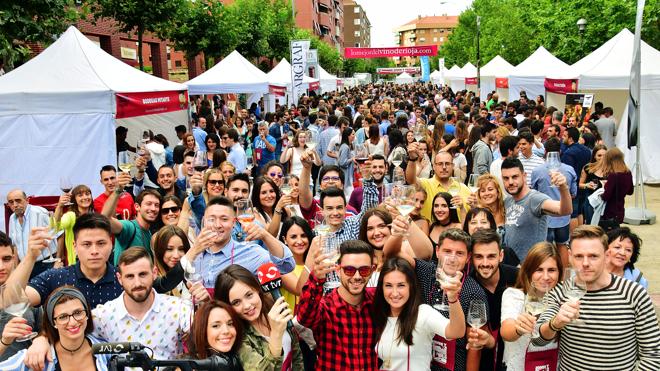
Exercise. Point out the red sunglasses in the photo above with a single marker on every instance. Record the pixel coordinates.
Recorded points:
(350, 270)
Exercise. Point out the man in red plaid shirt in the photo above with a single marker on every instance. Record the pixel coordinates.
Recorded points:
(342, 321)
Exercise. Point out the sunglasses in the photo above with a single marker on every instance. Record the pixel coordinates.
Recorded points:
(273, 175)
(167, 210)
(214, 182)
(330, 178)
(350, 270)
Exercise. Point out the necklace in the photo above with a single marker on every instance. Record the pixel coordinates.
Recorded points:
(72, 351)
(387, 363)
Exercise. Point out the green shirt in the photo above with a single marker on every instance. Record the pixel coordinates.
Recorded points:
(132, 235)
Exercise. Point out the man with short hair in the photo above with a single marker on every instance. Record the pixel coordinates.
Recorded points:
(199, 132)
(236, 154)
(575, 155)
(335, 142)
(526, 156)
(553, 131)
(168, 184)
(125, 202)
(384, 123)
(324, 141)
(264, 147)
(607, 127)
(329, 176)
(180, 132)
(482, 156)
(620, 330)
(24, 217)
(378, 171)
(275, 130)
(507, 147)
(526, 210)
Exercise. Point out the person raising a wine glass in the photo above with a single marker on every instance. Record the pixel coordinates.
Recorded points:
(294, 152)
(81, 203)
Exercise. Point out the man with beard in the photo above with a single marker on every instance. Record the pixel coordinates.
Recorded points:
(134, 232)
(526, 210)
(342, 320)
(493, 277)
(378, 171)
(168, 185)
(482, 155)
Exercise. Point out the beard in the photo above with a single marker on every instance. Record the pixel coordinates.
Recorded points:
(139, 297)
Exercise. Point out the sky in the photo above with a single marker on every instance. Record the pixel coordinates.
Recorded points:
(386, 15)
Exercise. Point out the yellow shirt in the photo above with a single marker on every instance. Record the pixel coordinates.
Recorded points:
(290, 298)
(432, 187)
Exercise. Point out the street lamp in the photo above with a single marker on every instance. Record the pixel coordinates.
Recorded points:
(582, 25)
(478, 57)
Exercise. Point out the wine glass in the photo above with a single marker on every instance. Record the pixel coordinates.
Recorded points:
(361, 153)
(553, 163)
(473, 183)
(576, 289)
(245, 212)
(52, 231)
(141, 147)
(15, 301)
(477, 315)
(420, 131)
(209, 223)
(193, 277)
(398, 156)
(445, 273)
(200, 162)
(286, 188)
(312, 139)
(405, 200)
(534, 304)
(321, 228)
(330, 245)
(66, 186)
(249, 165)
(454, 190)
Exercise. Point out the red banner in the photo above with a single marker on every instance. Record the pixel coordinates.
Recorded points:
(397, 70)
(560, 86)
(314, 85)
(502, 82)
(403, 51)
(279, 91)
(470, 81)
(340, 82)
(149, 103)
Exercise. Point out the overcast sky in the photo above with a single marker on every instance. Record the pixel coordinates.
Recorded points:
(386, 15)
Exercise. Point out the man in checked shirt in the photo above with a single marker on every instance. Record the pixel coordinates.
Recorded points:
(341, 321)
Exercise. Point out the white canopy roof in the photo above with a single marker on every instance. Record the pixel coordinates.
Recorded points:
(453, 71)
(328, 81)
(233, 74)
(281, 75)
(531, 73)
(497, 67)
(608, 67)
(404, 78)
(436, 74)
(469, 70)
(73, 75)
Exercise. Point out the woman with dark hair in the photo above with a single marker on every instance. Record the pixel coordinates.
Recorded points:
(67, 324)
(219, 156)
(376, 145)
(297, 235)
(212, 144)
(267, 345)
(81, 203)
(539, 273)
(590, 180)
(274, 171)
(217, 331)
(345, 159)
(442, 217)
(617, 186)
(265, 196)
(404, 326)
(170, 245)
(481, 218)
(622, 254)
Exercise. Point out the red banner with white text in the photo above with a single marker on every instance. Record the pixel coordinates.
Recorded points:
(279, 91)
(470, 81)
(314, 85)
(560, 86)
(502, 82)
(399, 51)
(150, 103)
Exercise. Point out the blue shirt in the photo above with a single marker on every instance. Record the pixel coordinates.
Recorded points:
(275, 131)
(200, 138)
(383, 127)
(104, 290)
(576, 155)
(237, 157)
(263, 154)
(324, 140)
(248, 255)
(541, 183)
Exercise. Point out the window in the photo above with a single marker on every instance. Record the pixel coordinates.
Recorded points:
(435, 39)
(422, 31)
(442, 39)
(356, 21)
(356, 9)
(177, 64)
(422, 39)
(356, 33)
(357, 45)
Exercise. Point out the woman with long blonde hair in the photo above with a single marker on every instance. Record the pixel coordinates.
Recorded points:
(618, 185)
(490, 196)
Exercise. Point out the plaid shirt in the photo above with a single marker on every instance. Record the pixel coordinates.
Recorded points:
(350, 229)
(344, 334)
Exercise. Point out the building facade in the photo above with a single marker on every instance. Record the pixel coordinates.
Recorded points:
(325, 18)
(357, 28)
(430, 30)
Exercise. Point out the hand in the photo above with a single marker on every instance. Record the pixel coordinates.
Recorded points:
(525, 323)
(454, 143)
(453, 289)
(254, 232)
(196, 182)
(307, 159)
(198, 292)
(400, 225)
(65, 198)
(39, 240)
(457, 201)
(568, 312)
(283, 202)
(278, 317)
(472, 200)
(413, 148)
(38, 353)
(204, 240)
(478, 338)
(15, 328)
(558, 179)
(365, 169)
(141, 162)
(321, 266)
(123, 179)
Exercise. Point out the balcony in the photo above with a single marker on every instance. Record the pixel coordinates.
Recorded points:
(327, 4)
(326, 20)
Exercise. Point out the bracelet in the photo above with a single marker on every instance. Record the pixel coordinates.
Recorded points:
(519, 334)
(278, 212)
(452, 302)
(3, 343)
(309, 271)
(552, 327)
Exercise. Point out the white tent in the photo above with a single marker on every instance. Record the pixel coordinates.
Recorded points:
(58, 111)
(233, 74)
(404, 78)
(453, 71)
(328, 81)
(436, 77)
(457, 81)
(498, 67)
(606, 73)
(531, 73)
(280, 76)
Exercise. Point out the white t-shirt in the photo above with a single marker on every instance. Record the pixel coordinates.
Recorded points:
(429, 323)
(513, 303)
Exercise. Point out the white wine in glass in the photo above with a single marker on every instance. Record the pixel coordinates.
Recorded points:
(16, 302)
(473, 183)
(476, 317)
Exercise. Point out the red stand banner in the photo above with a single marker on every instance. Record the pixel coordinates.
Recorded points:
(560, 86)
(279, 91)
(502, 82)
(314, 85)
(470, 81)
(149, 103)
(399, 51)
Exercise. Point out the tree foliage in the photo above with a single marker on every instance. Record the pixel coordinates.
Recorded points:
(32, 21)
(329, 57)
(515, 28)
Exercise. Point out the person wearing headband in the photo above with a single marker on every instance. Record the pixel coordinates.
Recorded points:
(67, 326)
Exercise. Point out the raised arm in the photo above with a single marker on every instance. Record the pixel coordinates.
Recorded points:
(305, 198)
(565, 204)
(411, 168)
(37, 242)
(111, 203)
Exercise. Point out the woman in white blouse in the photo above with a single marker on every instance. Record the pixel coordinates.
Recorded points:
(541, 270)
(405, 327)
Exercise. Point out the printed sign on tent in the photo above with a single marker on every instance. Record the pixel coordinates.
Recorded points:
(149, 103)
(502, 82)
(578, 105)
(560, 86)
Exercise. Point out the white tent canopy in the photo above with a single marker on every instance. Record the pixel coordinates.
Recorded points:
(606, 73)
(436, 77)
(457, 81)
(531, 73)
(328, 81)
(57, 114)
(404, 78)
(233, 74)
(280, 75)
(496, 68)
(453, 71)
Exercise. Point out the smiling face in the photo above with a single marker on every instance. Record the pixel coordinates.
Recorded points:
(220, 330)
(619, 252)
(246, 301)
(488, 194)
(547, 274)
(396, 290)
(72, 329)
(441, 210)
(210, 145)
(84, 199)
(486, 258)
(215, 185)
(355, 284)
(166, 178)
(296, 240)
(170, 213)
(377, 232)
(224, 218)
(267, 195)
(479, 221)
(173, 252)
(190, 143)
(149, 209)
(334, 211)
(109, 180)
(276, 175)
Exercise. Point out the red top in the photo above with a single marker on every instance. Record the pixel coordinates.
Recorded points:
(125, 203)
(344, 333)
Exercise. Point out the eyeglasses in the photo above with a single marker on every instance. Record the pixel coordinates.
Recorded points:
(444, 164)
(215, 182)
(350, 270)
(273, 175)
(63, 319)
(330, 178)
(167, 210)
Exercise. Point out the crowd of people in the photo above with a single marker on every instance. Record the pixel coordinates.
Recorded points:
(407, 227)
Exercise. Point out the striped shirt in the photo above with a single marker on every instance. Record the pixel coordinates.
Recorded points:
(529, 164)
(620, 331)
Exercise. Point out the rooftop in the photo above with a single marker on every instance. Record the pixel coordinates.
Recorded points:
(434, 21)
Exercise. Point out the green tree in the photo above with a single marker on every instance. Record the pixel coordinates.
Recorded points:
(32, 21)
(281, 29)
(139, 16)
(329, 57)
